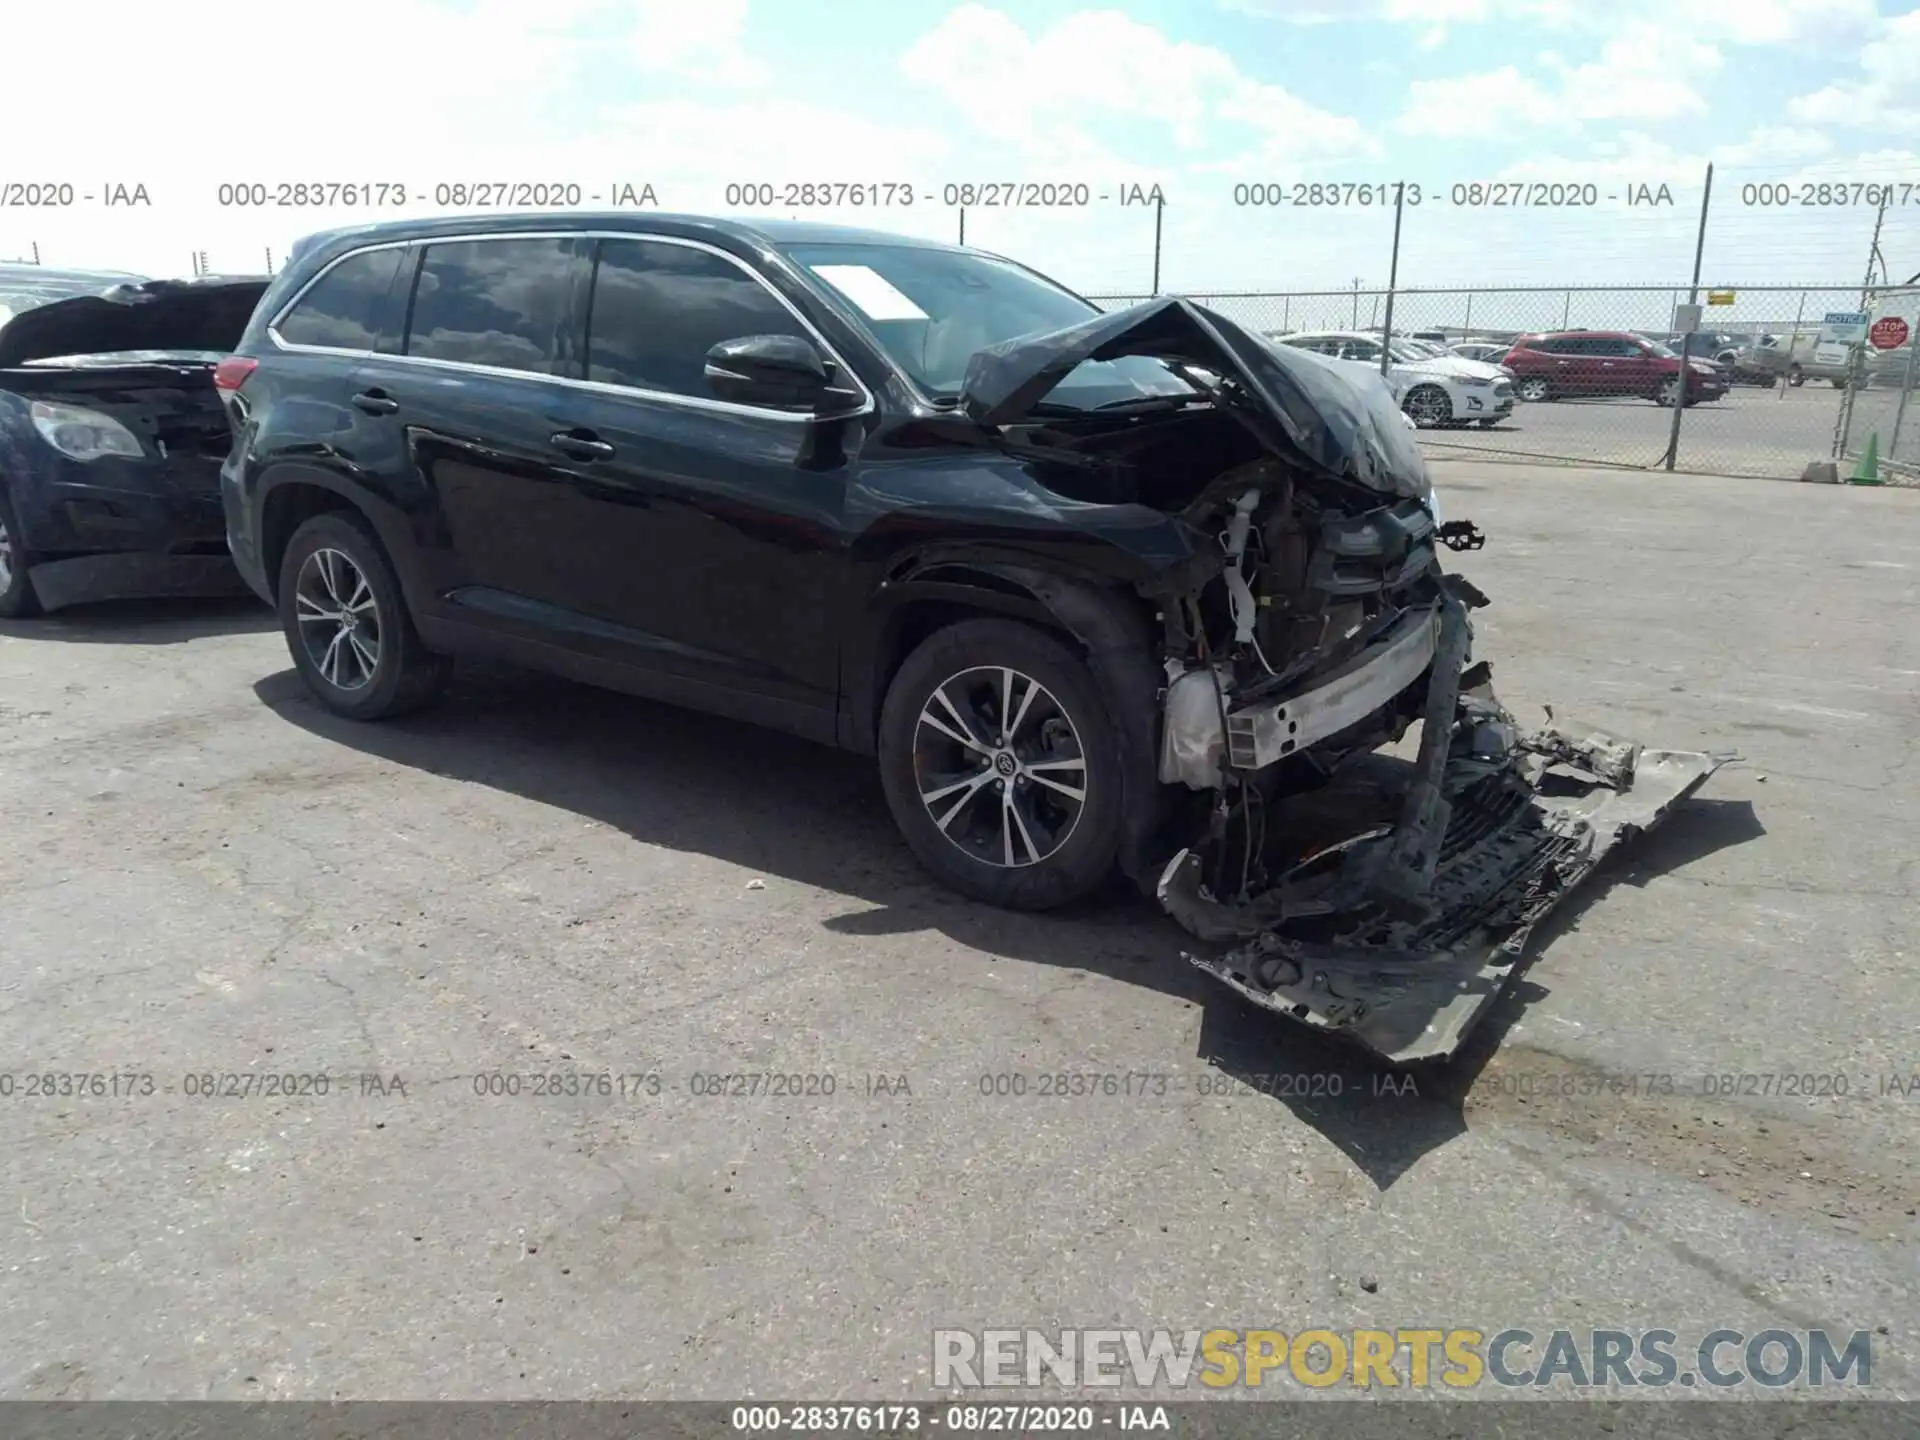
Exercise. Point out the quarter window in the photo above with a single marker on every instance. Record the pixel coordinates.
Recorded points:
(342, 310)
(659, 308)
(505, 304)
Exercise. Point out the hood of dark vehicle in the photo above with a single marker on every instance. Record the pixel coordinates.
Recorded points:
(171, 315)
(1340, 421)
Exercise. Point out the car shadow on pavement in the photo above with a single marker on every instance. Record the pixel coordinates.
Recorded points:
(146, 622)
(783, 807)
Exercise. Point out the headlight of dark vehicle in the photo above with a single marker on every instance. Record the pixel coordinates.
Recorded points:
(82, 434)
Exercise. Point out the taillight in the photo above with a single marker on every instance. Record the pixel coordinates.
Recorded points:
(231, 373)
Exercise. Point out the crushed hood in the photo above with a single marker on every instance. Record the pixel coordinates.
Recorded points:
(1347, 424)
(171, 315)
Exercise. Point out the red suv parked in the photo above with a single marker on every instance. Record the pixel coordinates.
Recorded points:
(1606, 362)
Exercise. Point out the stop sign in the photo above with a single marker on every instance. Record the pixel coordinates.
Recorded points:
(1889, 332)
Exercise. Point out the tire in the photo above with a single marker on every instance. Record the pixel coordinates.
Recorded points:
(1667, 393)
(1489, 424)
(336, 558)
(17, 598)
(1430, 407)
(1062, 849)
(1534, 389)
(1795, 375)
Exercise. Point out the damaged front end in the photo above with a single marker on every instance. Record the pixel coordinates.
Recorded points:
(1311, 629)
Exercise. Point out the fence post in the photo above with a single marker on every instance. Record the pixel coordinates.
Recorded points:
(36, 252)
(1906, 390)
(1286, 312)
(1856, 356)
(1466, 327)
(1566, 312)
(963, 224)
(1683, 381)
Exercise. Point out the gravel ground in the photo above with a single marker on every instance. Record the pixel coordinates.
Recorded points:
(208, 877)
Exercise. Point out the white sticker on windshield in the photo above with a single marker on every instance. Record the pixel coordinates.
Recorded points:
(866, 287)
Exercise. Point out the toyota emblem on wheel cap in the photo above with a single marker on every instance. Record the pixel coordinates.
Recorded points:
(1004, 763)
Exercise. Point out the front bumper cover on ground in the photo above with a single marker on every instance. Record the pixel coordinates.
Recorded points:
(1403, 935)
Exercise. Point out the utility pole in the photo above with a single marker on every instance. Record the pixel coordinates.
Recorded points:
(1159, 214)
(1684, 380)
(1393, 279)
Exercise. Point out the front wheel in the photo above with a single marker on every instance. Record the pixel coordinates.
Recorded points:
(1429, 407)
(1001, 766)
(17, 598)
(1796, 376)
(347, 625)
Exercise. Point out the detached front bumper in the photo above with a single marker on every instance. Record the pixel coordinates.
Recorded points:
(1401, 935)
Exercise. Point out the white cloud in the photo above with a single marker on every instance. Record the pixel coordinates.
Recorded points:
(669, 36)
(1035, 90)
(1746, 22)
(1887, 97)
(1641, 75)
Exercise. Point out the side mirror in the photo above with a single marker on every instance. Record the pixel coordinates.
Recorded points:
(781, 372)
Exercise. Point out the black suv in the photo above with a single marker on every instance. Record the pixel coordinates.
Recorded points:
(1096, 588)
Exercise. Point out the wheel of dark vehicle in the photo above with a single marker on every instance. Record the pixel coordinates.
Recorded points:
(1534, 389)
(1001, 765)
(1795, 375)
(1429, 407)
(347, 625)
(17, 598)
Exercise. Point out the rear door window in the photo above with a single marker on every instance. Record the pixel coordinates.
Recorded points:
(506, 304)
(658, 308)
(346, 307)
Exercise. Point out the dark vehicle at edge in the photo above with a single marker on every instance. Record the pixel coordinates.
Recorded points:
(112, 435)
(1135, 590)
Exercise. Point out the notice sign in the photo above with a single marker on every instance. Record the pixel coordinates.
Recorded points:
(1843, 327)
(1720, 297)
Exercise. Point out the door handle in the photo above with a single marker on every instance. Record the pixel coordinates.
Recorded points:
(376, 402)
(581, 446)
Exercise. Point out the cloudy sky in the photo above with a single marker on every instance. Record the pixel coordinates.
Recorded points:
(1200, 97)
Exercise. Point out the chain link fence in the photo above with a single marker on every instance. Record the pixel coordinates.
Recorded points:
(1880, 412)
(1595, 381)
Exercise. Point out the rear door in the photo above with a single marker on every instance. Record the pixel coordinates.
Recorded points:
(1570, 365)
(470, 411)
(1622, 367)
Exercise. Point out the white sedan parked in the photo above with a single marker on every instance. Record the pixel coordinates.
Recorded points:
(1434, 390)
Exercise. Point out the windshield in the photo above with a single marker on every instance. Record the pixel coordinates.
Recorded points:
(1410, 350)
(931, 310)
(21, 292)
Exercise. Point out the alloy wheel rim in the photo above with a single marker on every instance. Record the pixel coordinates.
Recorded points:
(999, 767)
(1424, 406)
(1533, 390)
(6, 557)
(339, 619)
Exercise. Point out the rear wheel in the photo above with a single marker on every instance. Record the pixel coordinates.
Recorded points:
(17, 598)
(1001, 765)
(1796, 376)
(347, 625)
(1533, 389)
(1429, 406)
